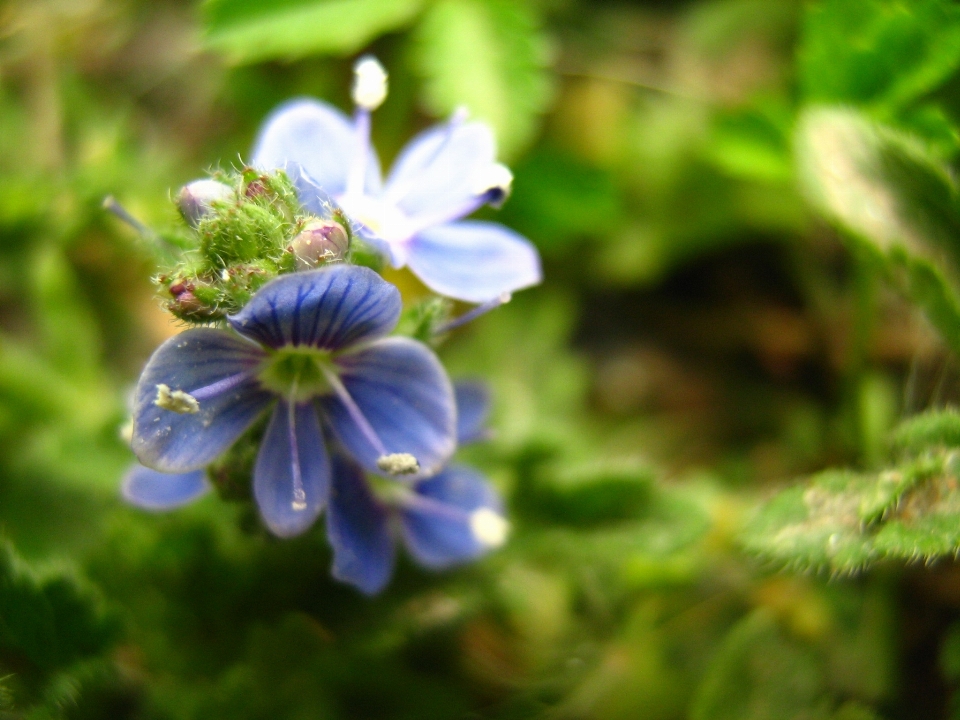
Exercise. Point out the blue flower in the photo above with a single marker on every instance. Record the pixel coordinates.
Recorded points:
(444, 174)
(154, 490)
(309, 345)
(450, 518)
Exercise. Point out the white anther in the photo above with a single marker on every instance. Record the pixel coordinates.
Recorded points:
(299, 499)
(369, 83)
(176, 400)
(490, 528)
(493, 177)
(398, 464)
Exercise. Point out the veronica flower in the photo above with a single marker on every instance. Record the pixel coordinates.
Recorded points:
(153, 490)
(414, 216)
(450, 518)
(307, 345)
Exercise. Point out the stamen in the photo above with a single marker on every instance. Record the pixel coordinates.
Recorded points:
(357, 175)
(489, 527)
(369, 83)
(176, 400)
(470, 315)
(398, 464)
(221, 386)
(492, 194)
(494, 184)
(355, 412)
(299, 494)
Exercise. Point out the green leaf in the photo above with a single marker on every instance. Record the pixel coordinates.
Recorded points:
(491, 57)
(759, 673)
(887, 190)
(249, 31)
(53, 622)
(558, 199)
(884, 52)
(592, 494)
(930, 429)
(843, 521)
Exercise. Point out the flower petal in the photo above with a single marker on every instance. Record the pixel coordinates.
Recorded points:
(358, 529)
(403, 392)
(437, 172)
(152, 490)
(291, 480)
(316, 136)
(473, 261)
(473, 410)
(330, 308)
(198, 360)
(439, 525)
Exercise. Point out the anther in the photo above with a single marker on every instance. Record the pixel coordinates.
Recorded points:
(369, 83)
(489, 527)
(398, 464)
(176, 401)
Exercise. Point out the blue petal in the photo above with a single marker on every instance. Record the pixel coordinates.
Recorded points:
(473, 410)
(436, 524)
(330, 308)
(316, 136)
(473, 261)
(359, 531)
(152, 490)
(285, 511)
(437, 172)
(202, 358)
(403, 391)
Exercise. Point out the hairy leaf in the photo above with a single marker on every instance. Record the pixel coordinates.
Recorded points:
(888, 191)
(843, 521)
(491, 57)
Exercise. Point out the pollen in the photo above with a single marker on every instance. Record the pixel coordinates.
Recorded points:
(489, 527)
(398, 464)
(176, 401)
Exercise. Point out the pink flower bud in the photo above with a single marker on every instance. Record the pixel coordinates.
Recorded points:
(321, 241)
(195, 198)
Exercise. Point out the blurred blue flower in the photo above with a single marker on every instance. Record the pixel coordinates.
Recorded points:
(309, 344)
(448, 519)
(441, 176)
(154, 490)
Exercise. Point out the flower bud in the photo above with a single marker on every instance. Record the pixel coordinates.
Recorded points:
(195, 199)
(321, 241)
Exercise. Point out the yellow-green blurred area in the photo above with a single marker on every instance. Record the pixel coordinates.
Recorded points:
(747, 213)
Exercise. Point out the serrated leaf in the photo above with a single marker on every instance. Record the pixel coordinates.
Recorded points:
(883, 52)
(843, 521)
(249, 31)
(930, 429)
(491, 57)
(888, 191)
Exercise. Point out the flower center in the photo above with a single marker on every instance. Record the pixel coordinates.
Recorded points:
(382, 218)
(297, 373)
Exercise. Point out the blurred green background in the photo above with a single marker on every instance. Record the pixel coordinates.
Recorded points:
(750, 230)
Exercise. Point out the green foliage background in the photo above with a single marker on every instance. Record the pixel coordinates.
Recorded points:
(723, 422)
